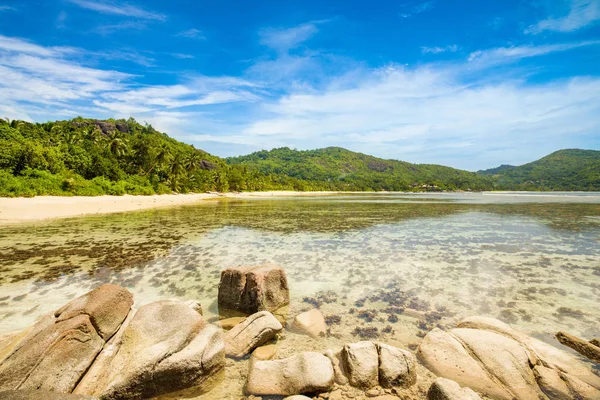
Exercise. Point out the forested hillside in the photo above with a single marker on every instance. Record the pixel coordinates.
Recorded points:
(570, 169)
(334, 168)
(90, 157)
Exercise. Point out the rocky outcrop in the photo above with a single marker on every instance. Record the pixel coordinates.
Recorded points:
(252, 289)
(445, 389)
(587, 349)
(97, 346)
(255, 331)
(489, 357)
(303, 373)
(164, 348)
(311, 323)
(57, 351)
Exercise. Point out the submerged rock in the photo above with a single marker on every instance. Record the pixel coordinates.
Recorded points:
(489, 357)
(253, 289)
(255, 331)
(587, 349)
(57, 351)
(445, 389)
(307, 372)
(311, 322)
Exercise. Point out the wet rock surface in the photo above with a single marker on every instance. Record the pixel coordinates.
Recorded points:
(311, 323)
(252, 289)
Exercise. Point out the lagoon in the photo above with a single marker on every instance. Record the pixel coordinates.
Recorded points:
(383, 266)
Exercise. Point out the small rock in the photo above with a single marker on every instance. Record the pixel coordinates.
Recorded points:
(336, 395)
(311, 322)
(297, 397)
(307, 372)
(372, 393)
(445, 389)
(340, 378)
(253, 289)
(256, 330)
(396, 367)
(362, 362)
(266, 352)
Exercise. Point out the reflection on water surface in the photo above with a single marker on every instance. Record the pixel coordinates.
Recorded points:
(379, 266)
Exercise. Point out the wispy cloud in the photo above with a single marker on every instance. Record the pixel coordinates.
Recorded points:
(435, 50)
(581, 14)
(4, 8)
(60, 20)
(182, 56)
(510, 54)
(121, 26)
(127, 10)
(192, 34)
(285, 39)
(416, 9)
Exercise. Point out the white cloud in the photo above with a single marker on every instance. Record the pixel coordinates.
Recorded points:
(581, 14)
(4, 8)
(125, 25)
(417, 9)
(192, 34)
(285, 39)
(436, 50)
(510, 54)
(126, 10)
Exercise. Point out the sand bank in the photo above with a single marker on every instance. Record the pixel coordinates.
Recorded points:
(15, 210)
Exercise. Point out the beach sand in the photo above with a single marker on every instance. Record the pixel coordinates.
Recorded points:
(16, 210)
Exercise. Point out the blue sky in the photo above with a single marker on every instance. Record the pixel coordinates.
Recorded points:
(471, 84)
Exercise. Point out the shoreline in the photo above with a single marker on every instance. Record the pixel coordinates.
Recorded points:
(15, 210)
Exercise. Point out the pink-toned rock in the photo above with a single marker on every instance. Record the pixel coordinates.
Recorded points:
(311, 322)
(255, 331)
(253, 289)
(445, 389)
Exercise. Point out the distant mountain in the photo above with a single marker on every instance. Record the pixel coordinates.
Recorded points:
(570, 169)
(336, 168)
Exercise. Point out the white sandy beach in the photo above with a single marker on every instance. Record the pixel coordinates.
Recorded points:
(15, 210)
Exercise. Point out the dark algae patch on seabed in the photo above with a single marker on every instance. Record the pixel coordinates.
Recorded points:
(379, 267)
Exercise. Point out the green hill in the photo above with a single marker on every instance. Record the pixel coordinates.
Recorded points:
(570, 169)
(334, 168)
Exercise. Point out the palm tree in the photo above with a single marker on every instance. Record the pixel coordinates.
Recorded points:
(177, 167)
(192, 163)
(117, 146)
(161, 157)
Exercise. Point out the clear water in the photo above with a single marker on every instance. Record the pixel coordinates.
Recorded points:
(388, 266)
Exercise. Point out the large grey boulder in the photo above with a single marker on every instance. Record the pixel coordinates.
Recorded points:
(489, 357)
(445, 389)
(397, 367)
(307, 372)
(252, 289)
(255, 331)
(164, 348)
(362, 364)
(56, 352)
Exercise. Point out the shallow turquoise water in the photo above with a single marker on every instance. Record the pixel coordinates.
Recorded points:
(386, 266)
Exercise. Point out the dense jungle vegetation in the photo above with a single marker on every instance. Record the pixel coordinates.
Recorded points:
(91, 157)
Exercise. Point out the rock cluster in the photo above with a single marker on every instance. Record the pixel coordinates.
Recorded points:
(97, 346)
(366, 365)
(490, 357)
